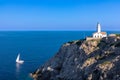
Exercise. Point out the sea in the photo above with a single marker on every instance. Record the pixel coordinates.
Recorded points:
(35, 48)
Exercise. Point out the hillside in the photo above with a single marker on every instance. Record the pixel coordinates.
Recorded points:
(83, 60)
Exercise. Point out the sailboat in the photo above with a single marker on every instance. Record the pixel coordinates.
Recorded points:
(18, 59)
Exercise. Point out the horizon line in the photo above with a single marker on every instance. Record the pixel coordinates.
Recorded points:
(59, 30)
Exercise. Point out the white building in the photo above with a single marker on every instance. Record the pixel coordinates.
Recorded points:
(99, 34)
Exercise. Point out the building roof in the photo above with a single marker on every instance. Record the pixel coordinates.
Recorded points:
(103, 33)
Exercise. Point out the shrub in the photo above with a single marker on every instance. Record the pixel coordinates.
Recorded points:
(106, 62)
(70, 42)
(117, 44)
(118, 35)
(79, 43)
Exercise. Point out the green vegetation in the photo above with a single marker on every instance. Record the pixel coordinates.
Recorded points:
(100, 57)
(79, 43)
(117, 44)
(112, 44)
(97, 57)
(118, 35)
(70, 42)
(88, 59)
(101, 45)
(98, 40)
(106, 62)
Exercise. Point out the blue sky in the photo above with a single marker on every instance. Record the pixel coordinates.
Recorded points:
(59, 14)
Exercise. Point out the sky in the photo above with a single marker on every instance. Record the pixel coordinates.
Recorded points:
(59, 14)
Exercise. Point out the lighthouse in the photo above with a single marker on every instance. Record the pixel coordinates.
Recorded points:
(98, 28)
(98, 33)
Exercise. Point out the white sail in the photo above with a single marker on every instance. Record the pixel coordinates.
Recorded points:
(18, 59)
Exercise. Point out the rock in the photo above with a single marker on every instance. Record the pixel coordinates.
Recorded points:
(83, 60)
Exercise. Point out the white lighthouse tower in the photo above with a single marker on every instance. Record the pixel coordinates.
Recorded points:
(98, 33)
(98, 28)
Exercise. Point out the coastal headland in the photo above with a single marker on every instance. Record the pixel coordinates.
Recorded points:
(97, 59)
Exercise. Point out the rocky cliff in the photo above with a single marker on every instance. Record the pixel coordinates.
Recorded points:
(83, 60)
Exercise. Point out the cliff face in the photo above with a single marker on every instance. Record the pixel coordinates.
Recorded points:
(83, 60)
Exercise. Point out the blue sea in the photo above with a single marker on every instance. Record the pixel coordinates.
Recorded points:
(35, 47)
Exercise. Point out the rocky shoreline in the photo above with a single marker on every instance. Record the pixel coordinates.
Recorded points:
(83, 60)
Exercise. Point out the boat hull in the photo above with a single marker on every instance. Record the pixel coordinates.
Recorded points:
(20, 61)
